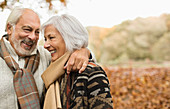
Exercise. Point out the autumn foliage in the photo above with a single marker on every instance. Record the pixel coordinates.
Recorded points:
(139, 88)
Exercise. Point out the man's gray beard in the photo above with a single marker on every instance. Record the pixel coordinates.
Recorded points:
(18, 48)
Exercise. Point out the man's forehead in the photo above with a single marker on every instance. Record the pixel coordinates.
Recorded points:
(30, 15)
(30, 11)
(29, 19)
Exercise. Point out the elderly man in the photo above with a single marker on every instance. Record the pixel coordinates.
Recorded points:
(22, 62)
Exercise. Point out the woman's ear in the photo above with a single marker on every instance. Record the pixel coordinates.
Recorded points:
(9, 29)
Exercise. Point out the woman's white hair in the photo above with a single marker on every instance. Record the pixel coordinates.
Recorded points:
(73, 32)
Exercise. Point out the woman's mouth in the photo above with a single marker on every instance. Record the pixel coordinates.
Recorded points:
(52, 52)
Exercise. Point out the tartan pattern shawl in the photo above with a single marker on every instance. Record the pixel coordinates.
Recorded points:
(24, 83)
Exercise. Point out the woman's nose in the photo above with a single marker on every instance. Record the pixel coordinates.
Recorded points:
(46, 44)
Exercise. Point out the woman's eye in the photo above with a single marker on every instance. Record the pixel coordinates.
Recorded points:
(51, 37)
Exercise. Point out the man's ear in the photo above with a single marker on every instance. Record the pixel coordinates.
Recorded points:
(9, 29)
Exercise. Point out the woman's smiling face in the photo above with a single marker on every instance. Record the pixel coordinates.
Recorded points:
(54, 42)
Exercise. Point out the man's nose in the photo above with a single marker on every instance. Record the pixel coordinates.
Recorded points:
(32, 36)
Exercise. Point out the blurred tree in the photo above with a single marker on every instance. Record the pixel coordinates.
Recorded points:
(3, 4)
(141, 39)
(9, 3)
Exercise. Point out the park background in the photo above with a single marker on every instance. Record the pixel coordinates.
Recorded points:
(130, 40)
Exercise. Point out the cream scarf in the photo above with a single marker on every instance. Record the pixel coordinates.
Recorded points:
(50, 77)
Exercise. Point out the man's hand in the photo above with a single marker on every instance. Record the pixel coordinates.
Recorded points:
(78, 60)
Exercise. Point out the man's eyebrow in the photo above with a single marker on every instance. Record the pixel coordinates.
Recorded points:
(26, 27)
(30, 28)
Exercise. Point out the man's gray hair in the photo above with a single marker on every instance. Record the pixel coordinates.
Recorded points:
(73, 32)
(14, 16)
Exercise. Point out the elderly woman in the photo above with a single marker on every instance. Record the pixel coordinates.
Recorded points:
(89, 89)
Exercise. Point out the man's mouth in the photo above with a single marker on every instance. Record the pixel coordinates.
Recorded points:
(27, 44)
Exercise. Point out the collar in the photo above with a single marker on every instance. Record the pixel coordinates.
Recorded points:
(55, 70)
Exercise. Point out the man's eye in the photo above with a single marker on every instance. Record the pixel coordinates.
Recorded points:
(37, 32)
(27, 30)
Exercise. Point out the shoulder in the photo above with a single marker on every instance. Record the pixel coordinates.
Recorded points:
(92, 67)
(92, 64)
(93, 70)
